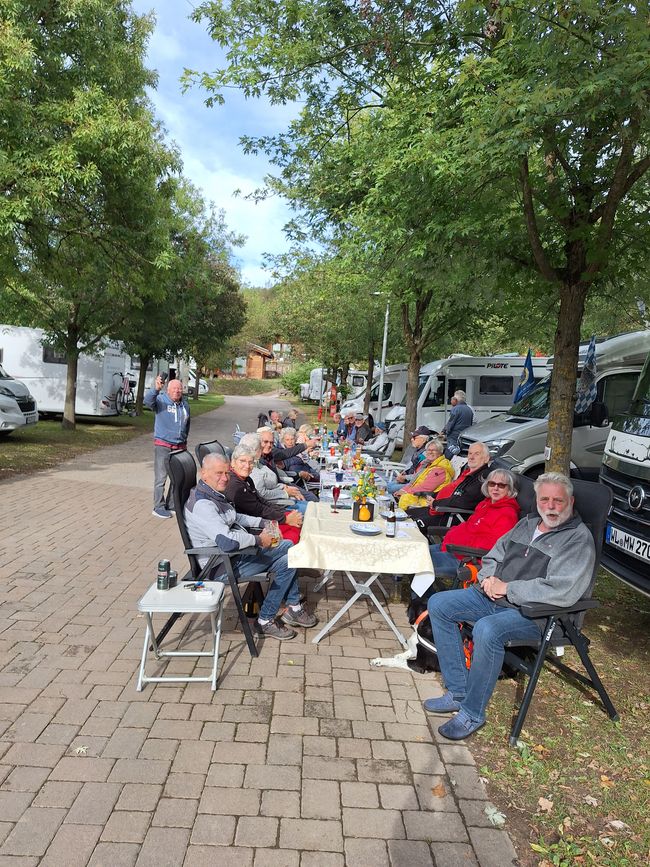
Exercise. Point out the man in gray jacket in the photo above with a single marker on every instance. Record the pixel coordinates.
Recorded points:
(548, 559)
(211, 519)
(460, 418)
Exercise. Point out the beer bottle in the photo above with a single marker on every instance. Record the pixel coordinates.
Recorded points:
(391, 522)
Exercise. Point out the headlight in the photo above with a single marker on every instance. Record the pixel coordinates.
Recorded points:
(498, 447)
(6, 392)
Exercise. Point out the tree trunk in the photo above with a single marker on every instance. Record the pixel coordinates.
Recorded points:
(198, 368)
(68, 421)
(563, 380)
(371, 368)
(345, 368)
(410, 417)
(139, 394)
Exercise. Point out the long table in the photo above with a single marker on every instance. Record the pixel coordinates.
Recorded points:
(327, 542)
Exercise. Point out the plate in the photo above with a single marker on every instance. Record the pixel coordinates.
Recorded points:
(384, 498)
(400, 514)
(364, 529)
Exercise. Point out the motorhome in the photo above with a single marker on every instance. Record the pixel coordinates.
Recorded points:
(626, 470)
(490, 383)
(518, 436)
(12, 388)
(44, 370)
(315, 389)
(11, 416)
(394, 391)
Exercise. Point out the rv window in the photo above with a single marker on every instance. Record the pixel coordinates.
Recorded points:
(495, 385)
(436, 394)
(3, 372)
(641, 404)
(454, 385)
(388, 388)
(357, 381)
(53, 356)
(535, 404)
(135, 363)
(616, 392)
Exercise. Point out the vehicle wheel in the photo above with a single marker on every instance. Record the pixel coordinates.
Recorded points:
(119, 402)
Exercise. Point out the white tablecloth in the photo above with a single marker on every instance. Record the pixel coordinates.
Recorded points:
(327, 542)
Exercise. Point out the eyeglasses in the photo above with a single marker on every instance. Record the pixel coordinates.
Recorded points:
(266, 442)
(497, 484)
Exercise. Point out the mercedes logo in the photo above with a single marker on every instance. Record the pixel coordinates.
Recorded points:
(636, 498)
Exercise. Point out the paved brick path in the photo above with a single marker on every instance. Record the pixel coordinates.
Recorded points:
(304, 756)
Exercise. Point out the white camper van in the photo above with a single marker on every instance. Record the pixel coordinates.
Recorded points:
(519, 436)
(43, 370)
(626, 470)
(315, 388)
(490, 383)
(395, 380)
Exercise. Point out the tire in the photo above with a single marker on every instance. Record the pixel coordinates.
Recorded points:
(120, 405)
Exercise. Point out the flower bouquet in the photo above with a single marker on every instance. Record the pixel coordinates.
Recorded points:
(364, 490)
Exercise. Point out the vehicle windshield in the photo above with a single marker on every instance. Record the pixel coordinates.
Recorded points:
(4, 374)
(535, 404)
(422, 381)
(641, 400)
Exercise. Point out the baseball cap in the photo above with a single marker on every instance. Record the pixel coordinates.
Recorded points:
(421, 431)
(359, 415)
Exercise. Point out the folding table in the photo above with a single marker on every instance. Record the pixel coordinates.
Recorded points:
(180, 600)
(327, 542)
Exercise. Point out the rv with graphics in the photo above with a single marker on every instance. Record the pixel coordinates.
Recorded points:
(315, 389)
(490, 383)
(626, 470)
(518, 436)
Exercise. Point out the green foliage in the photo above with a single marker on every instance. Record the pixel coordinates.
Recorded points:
(298, 374)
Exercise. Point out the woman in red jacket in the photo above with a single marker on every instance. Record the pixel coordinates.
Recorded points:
(492, 518)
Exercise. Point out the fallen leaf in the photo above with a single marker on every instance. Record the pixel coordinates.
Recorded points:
(540, 748)
(617, 825)
(80, 751)
(605, 782)
(439, 791)
(496, 818)
(545, 805)
(591, 801)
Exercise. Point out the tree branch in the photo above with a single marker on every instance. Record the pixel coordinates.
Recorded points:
(545, 267)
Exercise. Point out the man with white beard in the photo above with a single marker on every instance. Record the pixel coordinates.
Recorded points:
(547, 558)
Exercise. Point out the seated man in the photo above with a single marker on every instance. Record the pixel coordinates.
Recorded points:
(346, 429)
(362, 429)
(414, 454)
(211, 519)
(548, 560)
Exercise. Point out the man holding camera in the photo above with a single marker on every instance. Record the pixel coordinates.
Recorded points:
(170, 432)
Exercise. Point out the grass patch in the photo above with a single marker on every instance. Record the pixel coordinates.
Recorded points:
(46, 444)
(245, 387)
(592, 773)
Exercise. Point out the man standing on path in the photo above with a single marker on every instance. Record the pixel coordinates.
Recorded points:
(170, 432)
(460, 417)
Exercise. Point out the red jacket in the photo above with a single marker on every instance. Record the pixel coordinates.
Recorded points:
(488, 523)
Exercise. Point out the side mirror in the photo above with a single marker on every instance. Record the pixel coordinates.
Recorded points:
(599, 414)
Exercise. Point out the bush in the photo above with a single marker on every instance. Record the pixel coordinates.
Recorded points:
(298, 374)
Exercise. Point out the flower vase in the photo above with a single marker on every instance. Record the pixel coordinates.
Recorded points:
(362, 510)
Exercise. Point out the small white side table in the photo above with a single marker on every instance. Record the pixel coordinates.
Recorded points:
(179, 600)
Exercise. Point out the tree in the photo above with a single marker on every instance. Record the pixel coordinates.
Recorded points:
(83, 174)
(533, 119)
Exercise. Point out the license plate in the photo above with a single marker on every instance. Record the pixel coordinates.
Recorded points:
(30, 419)
(639, 548)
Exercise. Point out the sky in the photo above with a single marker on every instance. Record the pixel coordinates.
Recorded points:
(208, 138)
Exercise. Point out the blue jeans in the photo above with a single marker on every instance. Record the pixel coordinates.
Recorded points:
(392, 487)
(284, 583)
(299, 506)
(493, 626)
(445, 565)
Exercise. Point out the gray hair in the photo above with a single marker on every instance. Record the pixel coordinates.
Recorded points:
(554, 479)
(214, 458)
(434, 441)
(287, 431)
(265, 429)
(251, 441)
(504, 476)
(460, 394)
(485, 450)
(245, 450)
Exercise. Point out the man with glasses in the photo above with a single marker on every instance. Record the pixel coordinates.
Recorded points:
(414, 454)
(547, 557)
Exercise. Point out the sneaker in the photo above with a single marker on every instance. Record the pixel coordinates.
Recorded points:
(459, 727)
(161, 512)
(274, 629)
(442, 705)
(299, 618)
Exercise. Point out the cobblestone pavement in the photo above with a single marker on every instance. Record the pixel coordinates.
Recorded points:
(304, 757)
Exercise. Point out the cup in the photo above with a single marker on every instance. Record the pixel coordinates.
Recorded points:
(338, 475)
(274, 532)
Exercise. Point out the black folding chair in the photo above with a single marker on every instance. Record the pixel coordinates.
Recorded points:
(563, 626)
(183, 472)
(214, 447)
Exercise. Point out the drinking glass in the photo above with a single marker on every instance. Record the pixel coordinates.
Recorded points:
(274, 532)
(336, 491)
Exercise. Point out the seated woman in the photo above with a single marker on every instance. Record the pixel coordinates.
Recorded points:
(242, 493)
(296, 465)
(492, 518)
(268, 484)
(463, 493)
(434, 472)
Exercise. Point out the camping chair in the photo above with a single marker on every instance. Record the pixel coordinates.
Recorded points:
(214, 447)
(183, 472)
(563, 626)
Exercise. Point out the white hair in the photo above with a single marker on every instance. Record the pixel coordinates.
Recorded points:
(287, 431)
(242, 449)
(250, 441)
(554, 479)
(460, 394)
(214, 458)
(503, 476)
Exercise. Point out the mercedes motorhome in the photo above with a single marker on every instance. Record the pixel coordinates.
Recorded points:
(394, 391)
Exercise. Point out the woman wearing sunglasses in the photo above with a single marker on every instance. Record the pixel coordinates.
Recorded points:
(492, 518)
